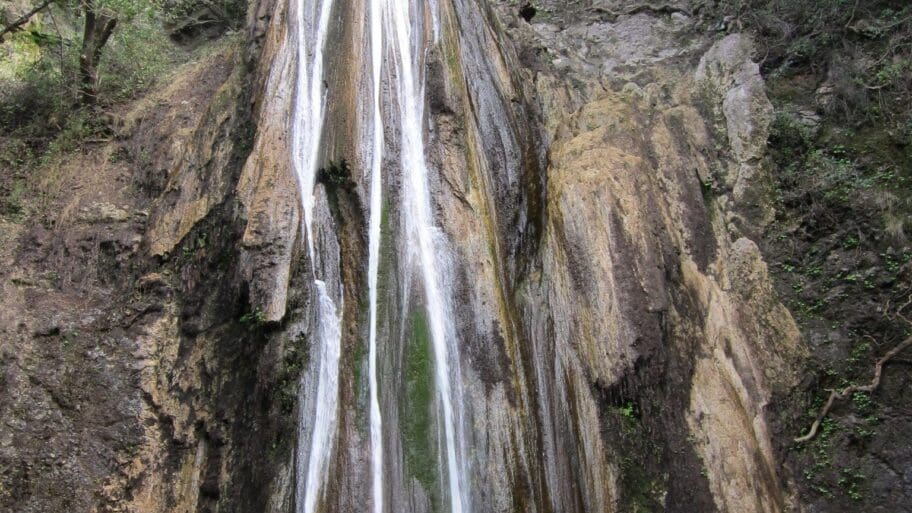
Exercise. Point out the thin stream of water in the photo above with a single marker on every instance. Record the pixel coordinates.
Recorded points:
(306, 132)
(422, 235)
(376, 206)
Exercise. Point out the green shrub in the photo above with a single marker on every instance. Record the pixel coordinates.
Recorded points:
(253, 320)
(39, 76)
(138, 54)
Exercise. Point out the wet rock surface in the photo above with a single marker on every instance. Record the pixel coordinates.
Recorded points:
(599, 176)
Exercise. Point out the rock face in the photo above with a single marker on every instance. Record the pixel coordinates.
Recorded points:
(731, 84)
(597, 173)
(651, 310)
(596, 181)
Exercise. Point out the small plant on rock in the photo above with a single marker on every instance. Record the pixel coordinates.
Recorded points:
(253, 320)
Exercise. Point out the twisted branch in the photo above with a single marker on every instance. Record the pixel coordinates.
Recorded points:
(16, 25)
(869, 388)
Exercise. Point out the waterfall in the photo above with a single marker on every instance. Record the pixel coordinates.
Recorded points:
(376, 206)
(322, 433)
(317, 417)
(422, 238)
(423, 241)
(309, 107)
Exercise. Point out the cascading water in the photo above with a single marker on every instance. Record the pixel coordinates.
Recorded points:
(317, 424)
(376, 422)
(323, 424)
(422, 239)
(319, 400)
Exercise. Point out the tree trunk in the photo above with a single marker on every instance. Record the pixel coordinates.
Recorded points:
(98, 28)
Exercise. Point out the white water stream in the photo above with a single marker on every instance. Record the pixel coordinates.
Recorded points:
(318, 417)
(422, 239)
(376, 213)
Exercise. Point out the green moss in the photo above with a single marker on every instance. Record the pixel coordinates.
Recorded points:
(643, 489)
(417, 418)
(452, 60)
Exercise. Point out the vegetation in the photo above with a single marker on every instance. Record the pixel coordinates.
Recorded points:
(858, 54)
(336, 175)
(840, 78)
(60, 47)
(67, 65)
(186, 20)
(644, 486)
(253, 320)
(418, 407)
(859, 394)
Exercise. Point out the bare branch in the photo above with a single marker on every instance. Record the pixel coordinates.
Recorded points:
(903, 307)
(16, 25)
(848, 391)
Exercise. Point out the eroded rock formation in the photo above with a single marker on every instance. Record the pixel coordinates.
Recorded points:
(597, 173)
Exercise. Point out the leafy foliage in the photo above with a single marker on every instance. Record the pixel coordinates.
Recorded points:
(40, 69)
(862, 49)
(253, 320)
(839, 75)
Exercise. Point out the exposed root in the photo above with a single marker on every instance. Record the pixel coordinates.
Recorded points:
(848, 391)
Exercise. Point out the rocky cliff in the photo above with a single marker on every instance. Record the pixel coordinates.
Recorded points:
(599, 184)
